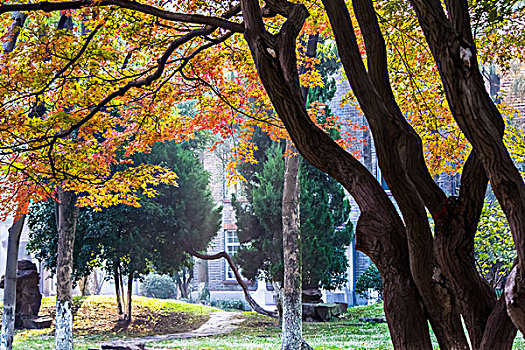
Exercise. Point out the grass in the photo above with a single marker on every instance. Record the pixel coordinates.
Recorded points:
(96, 320)
(260, 332)
(256, 332)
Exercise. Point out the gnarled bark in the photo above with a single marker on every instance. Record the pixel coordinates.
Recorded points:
(399, 154)
(452, 46)
(380, 232)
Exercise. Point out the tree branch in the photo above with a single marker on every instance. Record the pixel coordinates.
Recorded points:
(47, 6)
(253, 304)
(416, 168)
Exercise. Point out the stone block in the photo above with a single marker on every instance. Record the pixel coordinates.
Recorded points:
(37, 322)
(123, 345)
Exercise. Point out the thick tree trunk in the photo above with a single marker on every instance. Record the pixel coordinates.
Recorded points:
(380, 232)
(453, 48)
(499, 332)
(292, 285)
(8, 316)
(67, 220)
(399, 154)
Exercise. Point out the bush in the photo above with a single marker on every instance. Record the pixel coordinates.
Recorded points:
(370, 279)
(228, 304)
(158, 286)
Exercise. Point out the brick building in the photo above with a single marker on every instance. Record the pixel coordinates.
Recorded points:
(216, 275)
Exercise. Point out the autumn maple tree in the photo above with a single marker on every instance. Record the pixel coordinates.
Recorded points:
(71, 98)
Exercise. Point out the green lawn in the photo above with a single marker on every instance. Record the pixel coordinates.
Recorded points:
(259, 332)
(96, 320)
(256, 332)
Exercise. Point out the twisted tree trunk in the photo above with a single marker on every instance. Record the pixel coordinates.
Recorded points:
(253, 304)
(380, 232)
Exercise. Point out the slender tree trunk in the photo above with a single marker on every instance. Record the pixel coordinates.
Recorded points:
(292, 285)
(67, 220)
(187, 277)
(129, 298)
(291, 293)
(117, 292)
(83, 285)
(122, 296)
(100, 282)
(8, 316)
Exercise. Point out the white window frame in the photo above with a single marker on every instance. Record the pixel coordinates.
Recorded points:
(231, 246)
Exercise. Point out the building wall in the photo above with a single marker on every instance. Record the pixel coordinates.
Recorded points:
(219, 285)
(353, 125)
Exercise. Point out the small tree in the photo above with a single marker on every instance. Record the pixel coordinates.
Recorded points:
(370, 279)
(494, 249)
(324, 225)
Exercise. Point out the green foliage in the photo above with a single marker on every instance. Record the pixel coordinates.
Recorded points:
(493, 244)
(139, 240)
(370, 279)
(44, 239)
(325, 227)
(158, 286)
(228, 304)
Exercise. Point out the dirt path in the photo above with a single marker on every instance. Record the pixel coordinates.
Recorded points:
(220, 322)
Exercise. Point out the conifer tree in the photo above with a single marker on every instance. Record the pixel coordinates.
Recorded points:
(324, 224)
(132, 241)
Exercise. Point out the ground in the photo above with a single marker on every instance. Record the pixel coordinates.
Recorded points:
(96, 321)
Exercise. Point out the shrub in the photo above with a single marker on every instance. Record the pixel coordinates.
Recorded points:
(228, 304)
(158, 286)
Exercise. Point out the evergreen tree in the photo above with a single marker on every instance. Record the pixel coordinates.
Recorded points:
(325, 228)
(133, 241)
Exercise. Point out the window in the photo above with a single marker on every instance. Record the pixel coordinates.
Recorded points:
(232, 246)
(381, 179)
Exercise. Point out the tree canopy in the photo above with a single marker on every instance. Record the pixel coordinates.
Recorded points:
(139, 240)
(240, 59)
